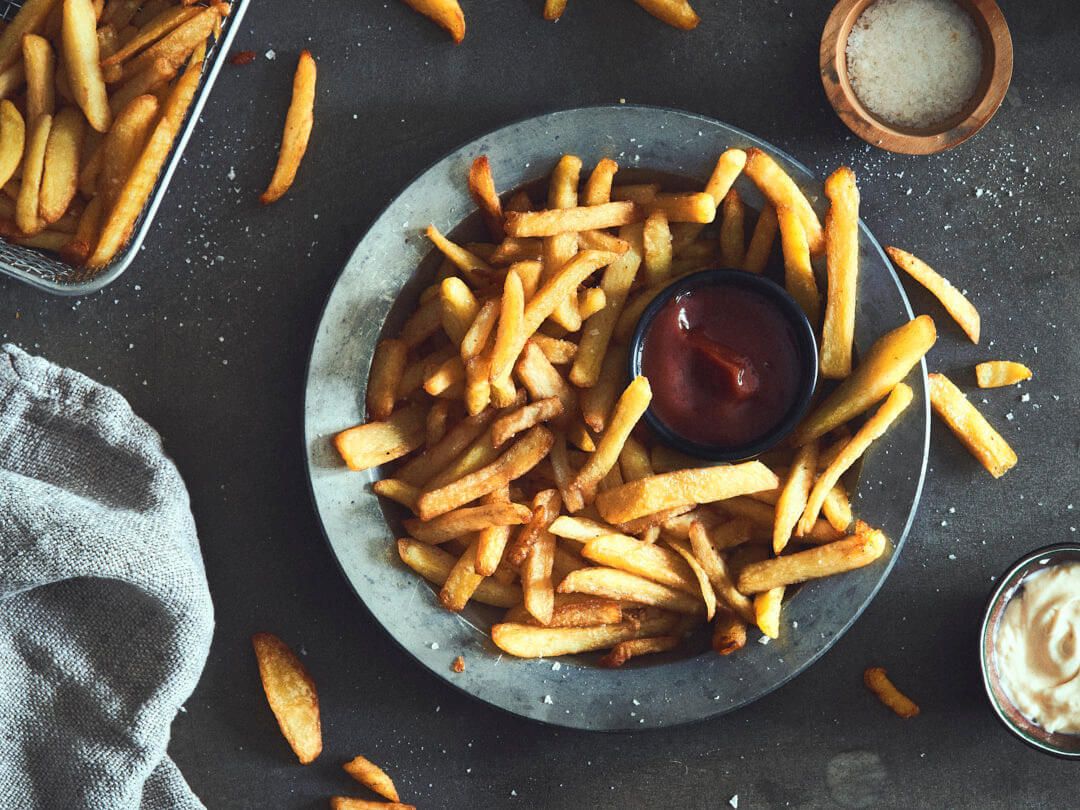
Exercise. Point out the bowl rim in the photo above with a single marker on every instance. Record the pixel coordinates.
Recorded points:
(767, 288)
(1003, 591)
(994, 33)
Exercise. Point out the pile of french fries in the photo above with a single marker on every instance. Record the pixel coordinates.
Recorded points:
(92, 95)
(447, 14)
(533, 484)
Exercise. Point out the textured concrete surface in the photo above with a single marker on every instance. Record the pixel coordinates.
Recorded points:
(208, 336)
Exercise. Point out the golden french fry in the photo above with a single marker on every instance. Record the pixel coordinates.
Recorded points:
(889, 360)
(780, 190)
(510, 336)
(612, 583)
(634, 460)
(556, 350)
(367, 773)
(640, 193)
(871, 430)
(837, 508)
(375, 443)
(553, 9)
(515, 249)
(347, 802)
(732, 231)
(523, 418)
(478, 454)
(396, 490)
(290, 691)
(536, 582)
(719, 575)
(798, 272)
(55, 241)
(387, 366)
(729, 633)
(60, 174)
(676, 13)
(842, 261)
(689, 207)
(793, 496)
(571, 610)
(704, 585)
(122, 146)
(526, 641)
(683, 487)
(962, 310)
(82, 62)
(26, 204)
(179, 43)
(145, 81)
(132, 197)
(590, 302)
(598, 400)
(78, 250)
(298, 123)
(459, 308)
(643, 559)
(761, 242)
(853, 552)
(161, 25)
(462, 581)
(465, 520)
(39, 64)
(560, 248)
(482, 189)
(30, 18)
(598, 186)
(12, 140)
(877, 681)
(545, 508)
(483, 324)
(441, 379)
(583, 529)
(763, 517)
(970, 426)
(993, 373)
(542, 380)
(567, 220)
(767, 611)
(446, 14)
(522, 456)
(625, 650)
(420, 470)
(12, 80)
(657, 248)
(435, 565)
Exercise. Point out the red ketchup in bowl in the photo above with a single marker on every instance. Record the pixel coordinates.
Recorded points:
(724, 363)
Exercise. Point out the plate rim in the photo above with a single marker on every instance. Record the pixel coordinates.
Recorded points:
(445, 676)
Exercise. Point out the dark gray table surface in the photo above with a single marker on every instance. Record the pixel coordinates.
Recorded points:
(208, 335)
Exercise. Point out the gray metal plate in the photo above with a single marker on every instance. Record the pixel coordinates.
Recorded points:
(377, 288)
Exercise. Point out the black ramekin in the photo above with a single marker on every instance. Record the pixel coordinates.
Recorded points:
(807, 345)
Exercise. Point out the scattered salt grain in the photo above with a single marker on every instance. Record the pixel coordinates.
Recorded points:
(556, 667)
(914, 62)
(763, 640)
(270, 54)
(434, 645)
(734, 800)
(548, 700)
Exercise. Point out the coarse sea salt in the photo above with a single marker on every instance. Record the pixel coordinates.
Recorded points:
(914, 62)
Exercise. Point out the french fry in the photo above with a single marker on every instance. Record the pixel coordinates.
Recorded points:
(12, 80)
(542, 380)
(478, 454)
(462, 581)
(729, 633)
(132, 197)
(872, 429)
(26, 204)
(780, 190)
(39, 64)
(151, 32)
(523, 418)
(657, 248)
(483, 325)
(370, 775)
(793, 496)
(961, 309)
(545, 508)
(387, 366)
(590, 302)
(628, 410)
(30, 18)
(366, 446)
(44, 240)
(347, 802)
(720, 577)
(83, 64)
(396, 490)
(298, 123)
(643, 559)
(598, 186)
(683, 487)
(491, 540)
(598, 400)
(625, 650)
(634, 460)
(459, 308)
(970, 426)
(60, 172)
(612, 583)
(434, 565)
(732, 231)
(889, 360)
(557, 351)
(420, 470)
(572, 610)
(482, 189)
(515, 249)
(553, 9)
(290, 691)
(560, 248)
(640, 193)
(12, 140)
(82, 243)
(993, 373)
(877, 681)
(798, 272)
(583, 529)
(842, 261)
(763, 516)
(536, 582)
(704, 585)
(761, 242)
(689, 207)
(676, 13)
(526, 641)
(468, 519)
(122, 146)
(147, 80)
(522, 456)
(446, 14)
(837, 508)
(442, 378)
(179, 43)
(510, 336)
(852, 552)
(767, 611)
(567, 220)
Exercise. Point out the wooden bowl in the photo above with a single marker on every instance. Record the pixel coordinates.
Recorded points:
(997, 65)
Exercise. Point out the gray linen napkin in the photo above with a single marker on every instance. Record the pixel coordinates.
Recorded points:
(105, 617)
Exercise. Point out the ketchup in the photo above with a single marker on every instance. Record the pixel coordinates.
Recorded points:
(724, 364)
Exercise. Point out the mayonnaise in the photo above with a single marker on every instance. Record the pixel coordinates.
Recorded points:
(1038, 648)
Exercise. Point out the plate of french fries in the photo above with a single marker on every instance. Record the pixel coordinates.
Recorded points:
(476, 447)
